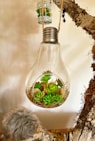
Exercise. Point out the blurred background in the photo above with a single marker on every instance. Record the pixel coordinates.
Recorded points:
(20, 37)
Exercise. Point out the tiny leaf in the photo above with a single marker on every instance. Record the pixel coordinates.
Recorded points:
(45, 78)
(37, 85)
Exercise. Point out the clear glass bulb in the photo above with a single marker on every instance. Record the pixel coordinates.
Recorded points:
(47, 84)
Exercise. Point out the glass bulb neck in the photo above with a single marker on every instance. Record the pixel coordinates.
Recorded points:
(50, 35)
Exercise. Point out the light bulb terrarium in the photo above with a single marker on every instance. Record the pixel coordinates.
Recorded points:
(47, 84)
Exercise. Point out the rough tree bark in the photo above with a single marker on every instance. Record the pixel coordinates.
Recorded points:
(85, 128)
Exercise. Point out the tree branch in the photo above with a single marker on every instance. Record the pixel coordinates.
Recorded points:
(79, 16)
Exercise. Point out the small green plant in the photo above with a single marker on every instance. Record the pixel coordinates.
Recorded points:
(45, 78)
(47, 99)
(38, 96)
(37, 85)
(52, 88)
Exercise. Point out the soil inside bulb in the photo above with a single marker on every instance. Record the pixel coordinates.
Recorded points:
(48, 91)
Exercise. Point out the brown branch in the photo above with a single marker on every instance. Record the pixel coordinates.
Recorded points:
(79, 16)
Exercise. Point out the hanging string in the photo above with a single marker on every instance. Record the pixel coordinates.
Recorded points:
(42, 14)
(61, 8)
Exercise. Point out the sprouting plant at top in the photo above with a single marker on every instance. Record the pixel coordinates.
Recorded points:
(45, 78)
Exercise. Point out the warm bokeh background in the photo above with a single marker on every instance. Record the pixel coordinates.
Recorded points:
(20, 36)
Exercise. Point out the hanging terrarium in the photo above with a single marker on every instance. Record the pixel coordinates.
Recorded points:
(44, 12)
(47, 84)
